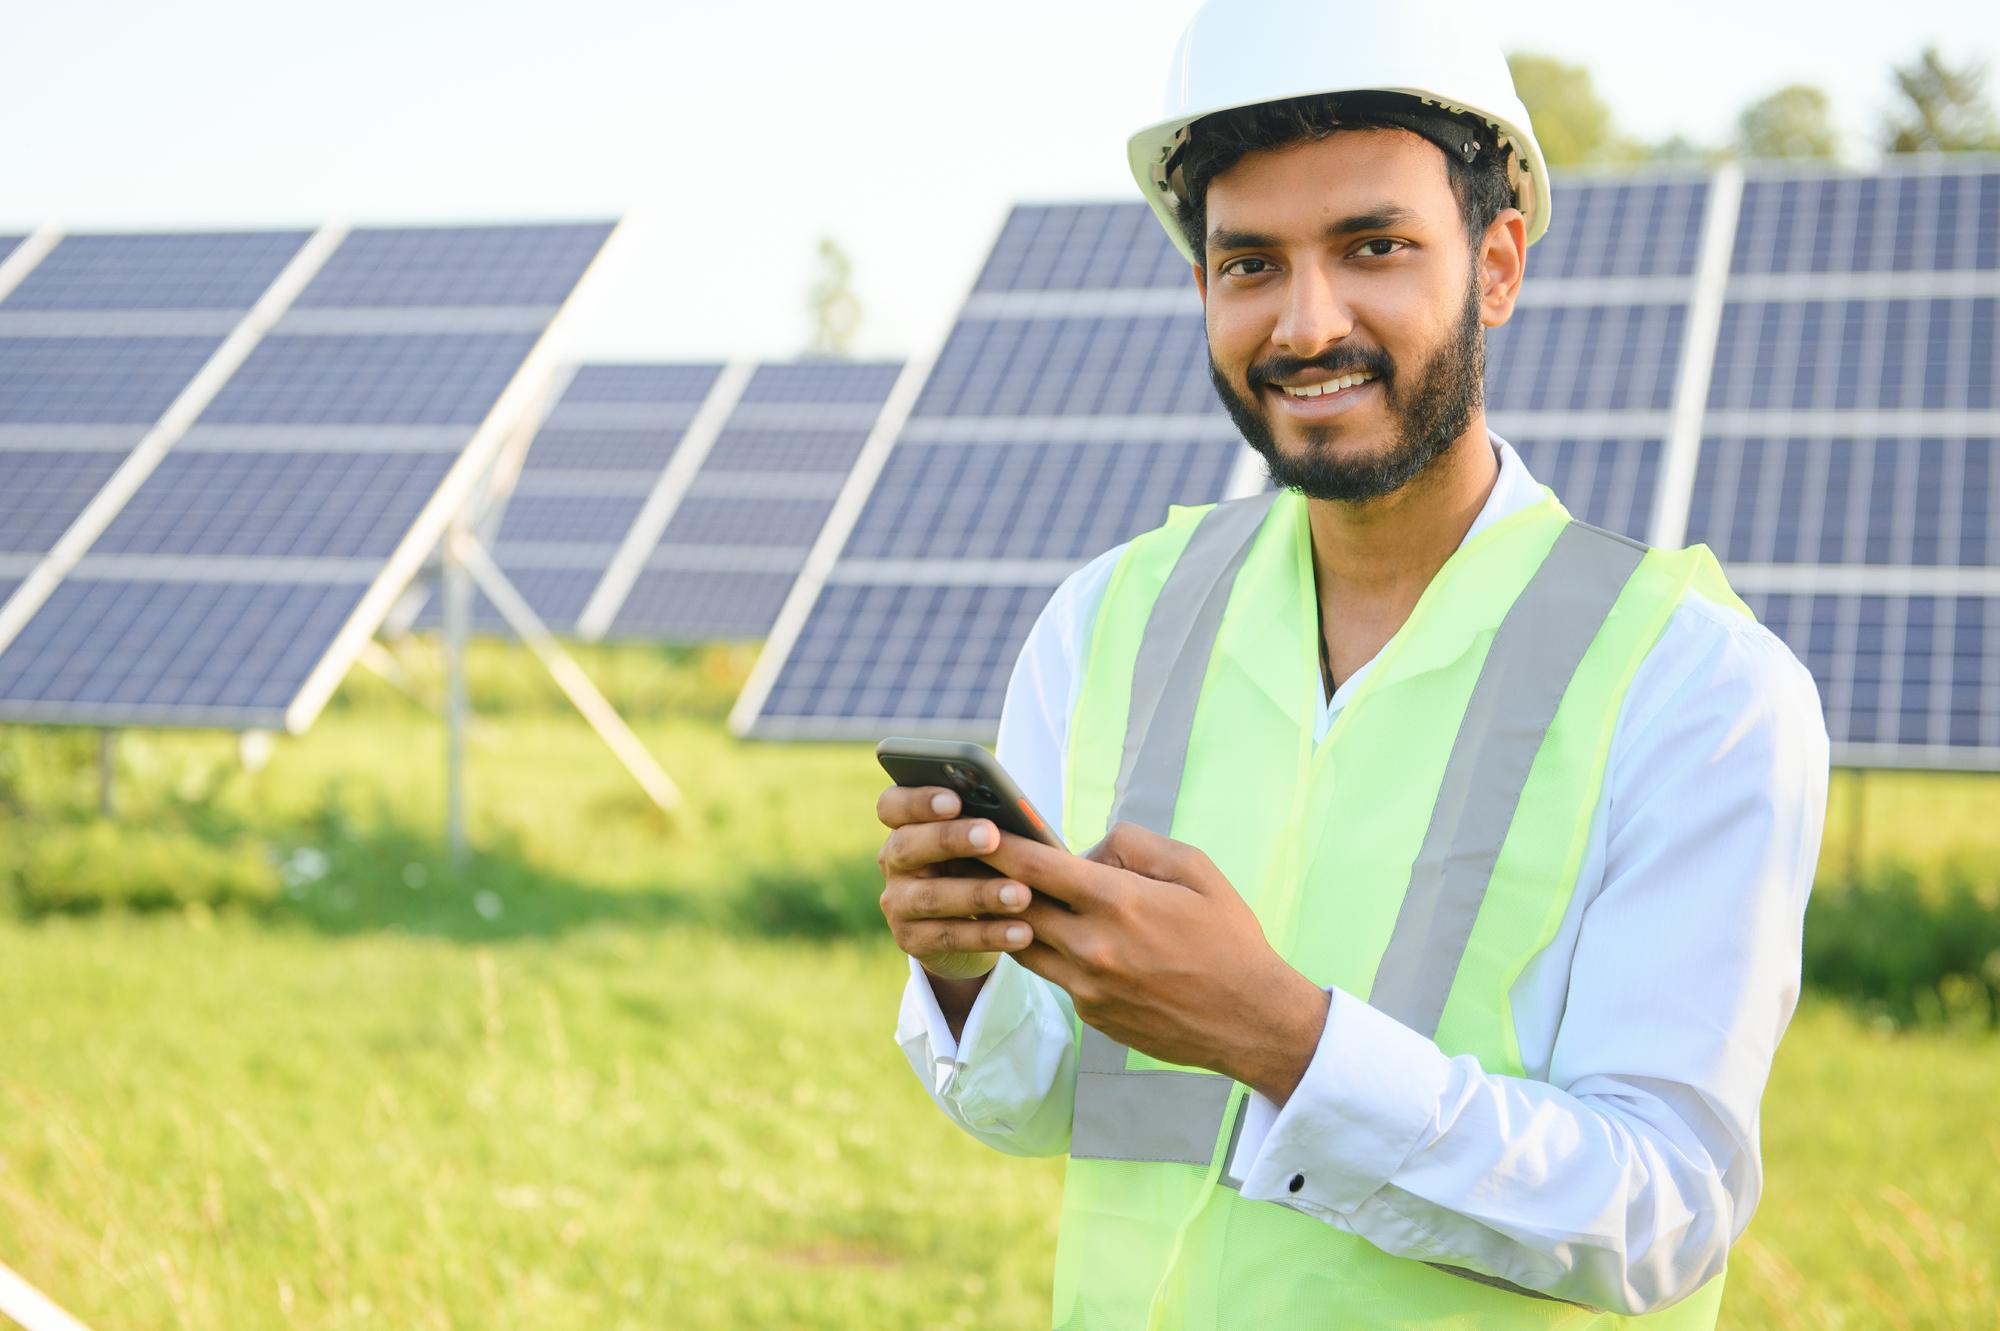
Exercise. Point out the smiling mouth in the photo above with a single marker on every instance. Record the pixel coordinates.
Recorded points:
(1331, 386)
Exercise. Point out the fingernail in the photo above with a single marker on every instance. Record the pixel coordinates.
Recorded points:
(984, 837)
(1013, 895)
(944, 802)
(1017, 934)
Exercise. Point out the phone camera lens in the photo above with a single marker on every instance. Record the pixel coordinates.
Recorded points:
(985, 795)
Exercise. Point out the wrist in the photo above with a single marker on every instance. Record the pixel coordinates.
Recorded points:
(1277, 1055)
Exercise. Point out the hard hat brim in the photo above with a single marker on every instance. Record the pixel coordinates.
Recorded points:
(1148, 150)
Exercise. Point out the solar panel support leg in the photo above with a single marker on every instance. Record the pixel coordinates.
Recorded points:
(107, 772)
(457, 625)
(568, 675)
(1857, 823)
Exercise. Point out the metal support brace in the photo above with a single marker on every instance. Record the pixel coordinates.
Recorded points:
(34, 1310)
(457, 626)
(107, 772)
(569, 676)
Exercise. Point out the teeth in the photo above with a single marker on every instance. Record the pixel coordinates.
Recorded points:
(1331, 386)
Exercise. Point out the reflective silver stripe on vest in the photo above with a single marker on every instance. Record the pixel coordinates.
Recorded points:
(1173, 660)
(1162, 1115)
(1157, 1114)
(1535, 653)
(1154, 1114)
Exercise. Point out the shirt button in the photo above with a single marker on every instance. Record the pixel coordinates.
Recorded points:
(1298, 1181)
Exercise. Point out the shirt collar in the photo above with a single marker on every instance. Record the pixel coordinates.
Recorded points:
(1513, 490)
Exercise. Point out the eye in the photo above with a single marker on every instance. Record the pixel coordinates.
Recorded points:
(1367, 247)
(1248, 266)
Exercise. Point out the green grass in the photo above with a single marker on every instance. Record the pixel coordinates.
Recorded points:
(312, 1076)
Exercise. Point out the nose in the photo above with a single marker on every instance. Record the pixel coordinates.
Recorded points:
(1314, 316)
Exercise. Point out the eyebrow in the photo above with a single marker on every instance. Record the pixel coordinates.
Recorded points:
(1380, 218)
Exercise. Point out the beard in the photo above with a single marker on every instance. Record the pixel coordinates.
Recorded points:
(1427, 414)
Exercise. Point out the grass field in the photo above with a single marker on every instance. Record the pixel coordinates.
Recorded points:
(606, 1075)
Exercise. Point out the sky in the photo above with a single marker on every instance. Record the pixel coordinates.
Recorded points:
(731, 138)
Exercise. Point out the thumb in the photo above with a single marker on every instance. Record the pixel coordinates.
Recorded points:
(1131, 847)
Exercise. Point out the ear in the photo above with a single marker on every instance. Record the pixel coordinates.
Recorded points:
(1201, 283)
(1503, 260)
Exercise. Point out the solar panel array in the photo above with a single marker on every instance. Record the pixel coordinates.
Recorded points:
(222, 582)
(677, 502)
(1795, 365)
(1846, 473)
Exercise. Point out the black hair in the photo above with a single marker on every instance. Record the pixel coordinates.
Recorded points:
(1219, 141)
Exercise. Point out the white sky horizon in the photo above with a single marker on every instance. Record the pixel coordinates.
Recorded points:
(903, 129)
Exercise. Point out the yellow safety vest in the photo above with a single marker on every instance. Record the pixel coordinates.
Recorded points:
(1419, 856)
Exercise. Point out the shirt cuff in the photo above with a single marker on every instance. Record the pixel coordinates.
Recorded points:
(921, 1010)
(1368, 1100)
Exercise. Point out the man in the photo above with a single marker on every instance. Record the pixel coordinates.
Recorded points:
(1448, 917)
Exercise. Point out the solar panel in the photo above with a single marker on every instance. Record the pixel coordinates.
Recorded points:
(391, 267)
(1581, 358)
(1845, 499)
(187, 271)
(95, 380)
(311, 503)
(1931, 221)
(749, 515)
(1934, 354)
(1794, 364)
(706, 603)
(1907, 680)
(677, 502)
(315, 460)
(43, 489)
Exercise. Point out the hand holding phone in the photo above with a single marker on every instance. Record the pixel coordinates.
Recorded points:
(946, 908)
(983, 787)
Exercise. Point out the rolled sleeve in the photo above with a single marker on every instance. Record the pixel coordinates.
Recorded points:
(1010, 1077)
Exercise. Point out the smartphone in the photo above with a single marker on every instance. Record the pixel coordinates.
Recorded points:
(984, 788)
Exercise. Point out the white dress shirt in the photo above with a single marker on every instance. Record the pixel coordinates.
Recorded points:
(1620, 1169)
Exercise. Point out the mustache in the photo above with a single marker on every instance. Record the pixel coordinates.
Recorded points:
(1341, 360)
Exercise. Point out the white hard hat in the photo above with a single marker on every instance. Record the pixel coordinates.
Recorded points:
(1245, 52)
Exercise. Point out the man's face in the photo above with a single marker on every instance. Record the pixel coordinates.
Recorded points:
(1326, 260)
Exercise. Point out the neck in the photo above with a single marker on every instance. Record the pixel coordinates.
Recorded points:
(1382, 553)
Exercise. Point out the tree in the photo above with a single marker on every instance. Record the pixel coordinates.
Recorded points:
(1794, 121)
(1572, 123)
(1680, 150)
(1944, 111)
(835, 309)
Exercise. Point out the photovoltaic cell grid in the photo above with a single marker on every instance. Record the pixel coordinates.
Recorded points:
(1941, 220)
(732, 543)
(1071, 404)
(1896, 501)
(225, 578)
(593, 462)
(1796, 486)
(1900, 676)
(1937, 354)
(74, 403)
(191, 271)
(728, 557)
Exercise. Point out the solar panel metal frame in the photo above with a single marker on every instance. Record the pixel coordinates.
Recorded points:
(385, 577)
